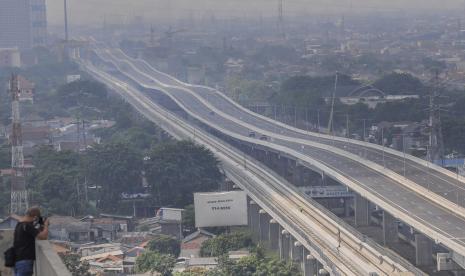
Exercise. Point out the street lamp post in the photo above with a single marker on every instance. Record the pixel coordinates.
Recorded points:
(318, 119)
(306, 118)
(382, 143)
(403, 149)
(347, 128)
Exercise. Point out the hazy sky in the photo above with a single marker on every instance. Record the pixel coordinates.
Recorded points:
(92, 11)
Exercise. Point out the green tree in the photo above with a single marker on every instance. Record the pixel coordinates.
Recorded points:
(75, 266)
(255, 265)
(196, 271)
(155, 262)
(274, 266)
(54, 181)
(178, 169)
(224, 243)
(5, 156)
(188, 219)
(400, 84)
(115, 168)
(310, 91)
(165, 244)
(82, 93)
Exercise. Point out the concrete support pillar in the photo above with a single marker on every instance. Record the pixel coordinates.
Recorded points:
(323, 179)
(282, 161)
(362, 213)
(274, 161)
(347, 206)
(322, 272)
(284, 244)
(390, 229)
(273, 234)
(296, 250)
(263, 226)
(423, 250)
(253, 218)
(309, 264)
(290, 170)
(299, 179)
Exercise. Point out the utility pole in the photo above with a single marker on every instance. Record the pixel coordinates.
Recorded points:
(347, 126)
(78, 132)
(295, 116)
(152, 36)
(66, 20)
(382, 142)
(436, 144)
(403, 150)
(364, 130)
(18, 200)
(318, 119)
(281, 19)
(306, 118)
(331, 114)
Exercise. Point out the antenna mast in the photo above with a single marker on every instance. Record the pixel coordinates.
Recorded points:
(18, 200)
(436, 144)
(331, 114)
(280, 18)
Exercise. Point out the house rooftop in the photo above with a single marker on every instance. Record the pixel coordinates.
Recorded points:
(198, 233)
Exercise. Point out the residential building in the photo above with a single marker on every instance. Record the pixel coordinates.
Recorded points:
(190, 246)
(23, 23)
(38, 22)
(70, 229)
(27, 90)
(10, 57)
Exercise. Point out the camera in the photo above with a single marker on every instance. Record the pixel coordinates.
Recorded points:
(41, 220)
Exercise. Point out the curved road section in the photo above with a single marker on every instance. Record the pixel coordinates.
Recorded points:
(351, 162)
(323, 234)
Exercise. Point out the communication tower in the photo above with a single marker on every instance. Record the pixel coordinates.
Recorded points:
(19, 201)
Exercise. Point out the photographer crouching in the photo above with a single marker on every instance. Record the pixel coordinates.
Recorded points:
(30, 227)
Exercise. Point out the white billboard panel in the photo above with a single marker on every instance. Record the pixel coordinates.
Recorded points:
(326, 191)
(220, 209)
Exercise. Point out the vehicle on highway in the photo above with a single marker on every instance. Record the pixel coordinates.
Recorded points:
(263, 137)
(252, 134)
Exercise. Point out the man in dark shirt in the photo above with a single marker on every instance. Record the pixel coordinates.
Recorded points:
(26, 231)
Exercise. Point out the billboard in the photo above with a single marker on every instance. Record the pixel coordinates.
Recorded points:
(220, 209)
(326, 191)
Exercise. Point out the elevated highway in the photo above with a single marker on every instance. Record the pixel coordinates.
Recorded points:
(372, 171)
(323, 236)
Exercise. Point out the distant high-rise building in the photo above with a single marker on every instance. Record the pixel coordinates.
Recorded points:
(39, 22)
(23, 23)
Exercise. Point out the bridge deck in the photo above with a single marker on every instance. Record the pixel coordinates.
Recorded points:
(446, 227)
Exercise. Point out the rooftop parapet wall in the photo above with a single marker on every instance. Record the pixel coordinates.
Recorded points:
(48, 263)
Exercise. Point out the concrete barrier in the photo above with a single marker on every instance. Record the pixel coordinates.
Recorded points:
(48, 263)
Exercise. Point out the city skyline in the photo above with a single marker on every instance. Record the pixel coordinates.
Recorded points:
(88, 11)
